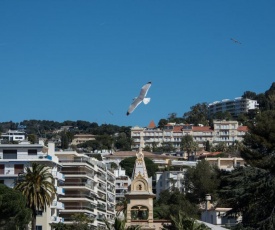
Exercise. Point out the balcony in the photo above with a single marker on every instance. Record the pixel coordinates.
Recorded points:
(60, 191)
(78, 184)
(77, 208)
(103, 189)
(57, 219)
(101, 207)
(75, 162)
(58, 175)
(101, 177)
(78, 173)
(57, 205)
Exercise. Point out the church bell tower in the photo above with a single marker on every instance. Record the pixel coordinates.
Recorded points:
(140, 196)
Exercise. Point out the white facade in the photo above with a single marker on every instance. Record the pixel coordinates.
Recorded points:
(122, 184)
(13, 135)
(168, 180)
(13, 160)
(89, 188)
(217, 216)
(234, 107)
(224, 132)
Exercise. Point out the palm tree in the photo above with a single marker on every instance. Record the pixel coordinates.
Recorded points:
(183, 222)
(37, 185)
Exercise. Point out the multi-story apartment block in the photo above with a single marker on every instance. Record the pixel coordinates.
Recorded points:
(122, 184)
(81, 138)
(234, 107)
(223, 132)
(13, 135)
(14, 158)
(89, 187)
(227, 164)
(169, 180)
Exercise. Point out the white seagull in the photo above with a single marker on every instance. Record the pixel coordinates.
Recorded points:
(141, 98)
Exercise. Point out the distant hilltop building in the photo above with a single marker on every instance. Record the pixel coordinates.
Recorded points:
(227, 132)
(13, 135)
(234, 107)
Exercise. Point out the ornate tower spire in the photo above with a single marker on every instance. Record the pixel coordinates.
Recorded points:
(140, 168)
(140, 196)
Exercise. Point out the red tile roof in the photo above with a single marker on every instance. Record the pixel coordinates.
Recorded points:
(243, 128)
(202, 129)
(151, 125)
(177, 128)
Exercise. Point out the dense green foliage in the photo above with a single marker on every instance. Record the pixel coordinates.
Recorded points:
(13, 211)
(81, 221)
(171, 202)
(188, 145)
(201, 180)
(181, 221)
(250, 190)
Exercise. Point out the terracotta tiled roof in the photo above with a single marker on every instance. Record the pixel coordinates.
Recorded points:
(125, 154)
(151, 125)
(243, 128)
(177, 128)
(202, 129)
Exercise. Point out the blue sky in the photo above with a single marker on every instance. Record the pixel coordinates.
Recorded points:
(86, 60)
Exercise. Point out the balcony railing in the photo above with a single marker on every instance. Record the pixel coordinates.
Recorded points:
(77, 161)
(74, 207)
(77, 184)
(89, 196)
(57, 205)
(58, 175)
(78, 173)
(103, 189)
(60, 191)
(57, 219)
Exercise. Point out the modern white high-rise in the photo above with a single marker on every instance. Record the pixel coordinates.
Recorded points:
(234, 107)
(89, 188)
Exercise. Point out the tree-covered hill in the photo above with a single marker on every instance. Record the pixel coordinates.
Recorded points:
(198, 114)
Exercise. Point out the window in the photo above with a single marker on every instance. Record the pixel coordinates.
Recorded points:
(2, 169)
(39, 213)
(18, 168)
(9, 154)
(38, 227)
(32, 151)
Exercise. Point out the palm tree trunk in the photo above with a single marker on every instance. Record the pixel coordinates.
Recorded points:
(34, 220)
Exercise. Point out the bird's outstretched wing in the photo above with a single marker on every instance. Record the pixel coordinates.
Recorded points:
(134, 104)
(144, 90)
(140, 98)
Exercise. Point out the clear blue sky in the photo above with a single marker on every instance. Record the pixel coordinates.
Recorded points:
(86, 60)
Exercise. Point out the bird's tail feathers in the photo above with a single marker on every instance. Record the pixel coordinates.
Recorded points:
(146, 100)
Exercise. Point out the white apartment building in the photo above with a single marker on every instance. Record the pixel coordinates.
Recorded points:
(169, 180)
(13, 160)
(89, 188)
(224, 132)
(234, 107)
(13, 135)
(122, 184)
(81, 138)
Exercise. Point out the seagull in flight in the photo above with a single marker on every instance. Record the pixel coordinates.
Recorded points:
(141, 98)
(234, 40)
